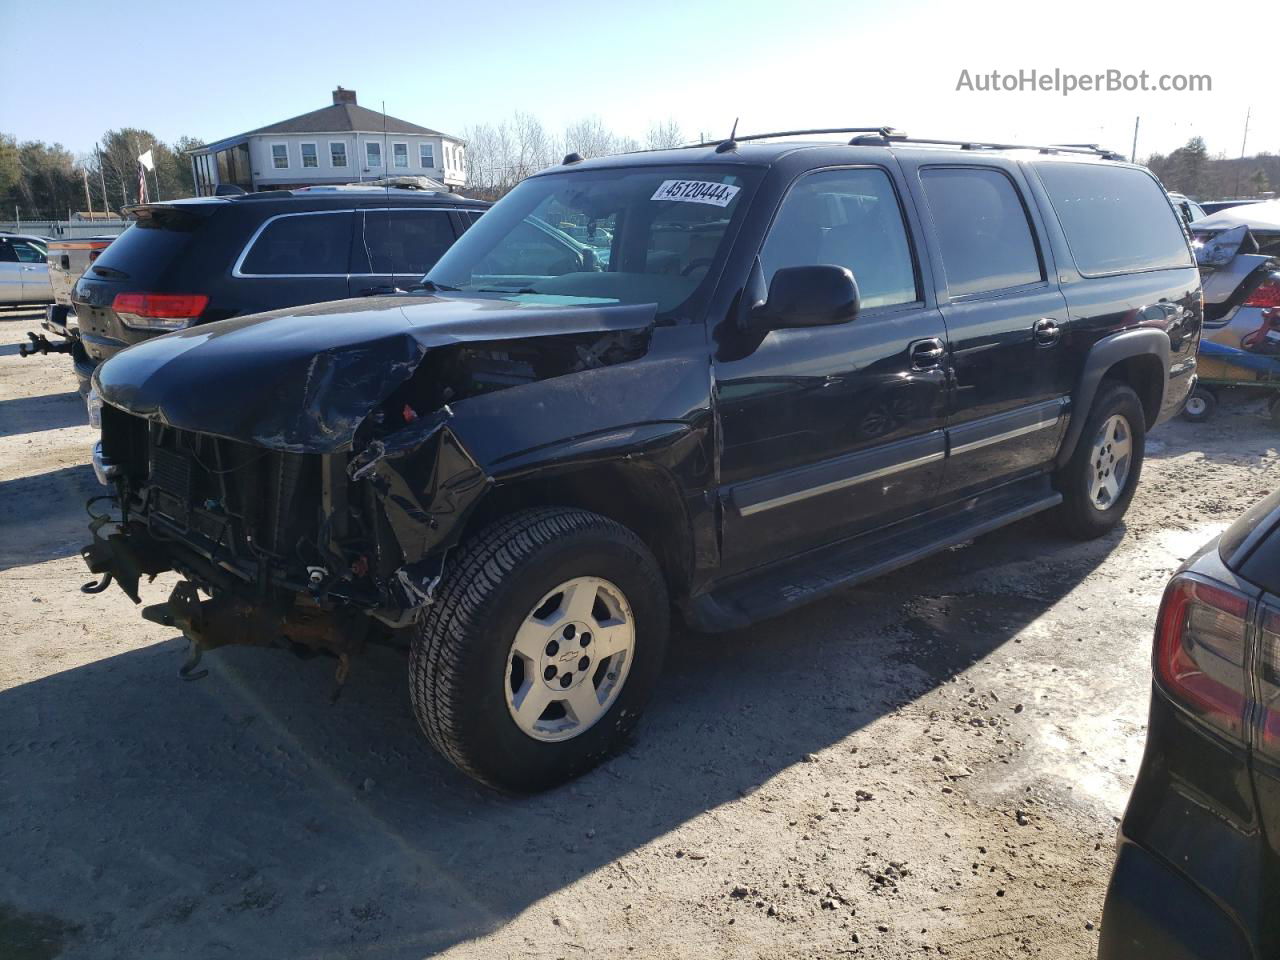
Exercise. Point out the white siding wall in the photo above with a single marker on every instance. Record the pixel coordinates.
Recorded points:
(447, 154)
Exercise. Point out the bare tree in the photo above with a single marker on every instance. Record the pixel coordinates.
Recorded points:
(501, 155)
(664, 135)
(589, 137)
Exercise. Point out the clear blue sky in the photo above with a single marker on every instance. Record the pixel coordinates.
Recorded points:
(213, 70)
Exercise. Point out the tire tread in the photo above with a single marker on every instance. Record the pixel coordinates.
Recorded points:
(471, 578)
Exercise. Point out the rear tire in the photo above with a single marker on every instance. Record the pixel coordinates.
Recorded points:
(1200, 406)
(483, 661)
(1097, 484)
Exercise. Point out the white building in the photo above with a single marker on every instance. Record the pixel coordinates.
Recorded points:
(342, 143)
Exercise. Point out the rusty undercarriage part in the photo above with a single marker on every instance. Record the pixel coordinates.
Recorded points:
(116, 557)
(226, 620)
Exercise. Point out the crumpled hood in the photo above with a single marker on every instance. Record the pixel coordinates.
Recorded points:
(303, 379)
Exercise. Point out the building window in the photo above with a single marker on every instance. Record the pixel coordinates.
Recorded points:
(280, 156)
(372, 153)
(400, 155)
(427, 155)
(337, 153)
(310, 158)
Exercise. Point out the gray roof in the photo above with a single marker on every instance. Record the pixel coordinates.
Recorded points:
(1255, 216)
(341, 117)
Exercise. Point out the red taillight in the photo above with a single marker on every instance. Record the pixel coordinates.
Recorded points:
(1265, 295)
(159, 311)
(1268, 657)
(1200, 651)
(94, 255)
(171, 305)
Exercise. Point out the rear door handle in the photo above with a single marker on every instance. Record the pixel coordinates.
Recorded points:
(1046, 332)
(926, 354)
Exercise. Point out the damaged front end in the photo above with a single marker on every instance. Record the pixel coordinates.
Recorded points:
(295, 550)
(318, 527)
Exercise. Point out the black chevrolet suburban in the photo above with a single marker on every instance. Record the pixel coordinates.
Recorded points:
(782, 368)
(188, 262)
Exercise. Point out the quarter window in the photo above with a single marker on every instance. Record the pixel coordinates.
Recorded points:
(280, 156)
(372, 154)
(309, 156)
(301, 245)
(847, 218)
(426, 154)
(338, 153)
(1116, 219)
(400, 154)
(984, 235)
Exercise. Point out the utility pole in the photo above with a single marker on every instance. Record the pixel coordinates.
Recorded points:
(1240, 166)
(1133, 156)
(87, 198)
(102, 179)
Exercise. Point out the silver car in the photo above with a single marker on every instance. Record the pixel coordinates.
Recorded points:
(24, 270)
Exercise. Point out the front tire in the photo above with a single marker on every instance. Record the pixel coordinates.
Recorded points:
(543, 645)
(1098, 483)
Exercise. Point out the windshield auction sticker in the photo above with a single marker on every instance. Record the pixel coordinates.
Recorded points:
(696, 191)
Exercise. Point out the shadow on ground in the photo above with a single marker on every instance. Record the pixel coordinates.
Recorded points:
(42, 516)
(242, 814)
(51, 411)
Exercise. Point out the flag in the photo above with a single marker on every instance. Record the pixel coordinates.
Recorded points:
(147, 160)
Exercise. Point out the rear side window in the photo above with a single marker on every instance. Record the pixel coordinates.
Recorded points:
(406, 242)
(149, 247)
(984, 235)
(300, 245)
(6, 253)
(1116, 219)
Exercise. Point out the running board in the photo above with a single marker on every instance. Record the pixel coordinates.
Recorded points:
(790, 583)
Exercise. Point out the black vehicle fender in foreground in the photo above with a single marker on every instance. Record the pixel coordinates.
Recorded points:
(1103, 356)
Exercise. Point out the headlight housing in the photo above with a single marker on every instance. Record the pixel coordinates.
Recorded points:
(94, 404)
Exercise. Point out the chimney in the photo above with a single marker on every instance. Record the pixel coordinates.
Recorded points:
(344, 96)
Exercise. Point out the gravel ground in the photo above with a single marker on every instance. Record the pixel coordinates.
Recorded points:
(933, 764)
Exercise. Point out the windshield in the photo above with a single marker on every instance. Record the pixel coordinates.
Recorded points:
(631, 236)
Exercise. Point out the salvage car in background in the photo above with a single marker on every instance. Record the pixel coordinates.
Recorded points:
(67, 260)
(188, 262)
(24, 274)
(1187, 208)
(1198, 857)
(1238, 251)
(1211, 207)
(800, 365)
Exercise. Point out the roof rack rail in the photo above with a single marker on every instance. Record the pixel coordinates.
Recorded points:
(886, 135)
(882, 131)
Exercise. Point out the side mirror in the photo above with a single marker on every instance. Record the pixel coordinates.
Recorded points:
(810, 296)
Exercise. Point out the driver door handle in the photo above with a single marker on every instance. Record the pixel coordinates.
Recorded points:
(1046, 332)
(926, 354)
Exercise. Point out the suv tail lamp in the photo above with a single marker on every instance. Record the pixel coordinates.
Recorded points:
(159, 311)
(1200, 651)
(1266, 294)
(1268, 657)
